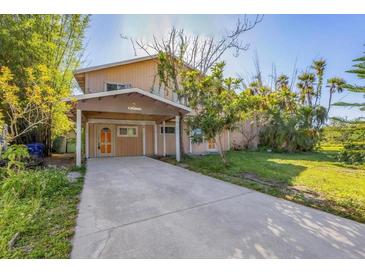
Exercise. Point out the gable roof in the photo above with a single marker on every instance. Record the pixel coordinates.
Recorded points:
(128, 91)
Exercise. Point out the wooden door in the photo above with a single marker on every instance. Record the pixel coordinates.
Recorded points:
(105, 146)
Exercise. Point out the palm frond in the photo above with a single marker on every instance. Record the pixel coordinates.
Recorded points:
(346, 104)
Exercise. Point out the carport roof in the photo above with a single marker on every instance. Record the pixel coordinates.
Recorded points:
(129, 91)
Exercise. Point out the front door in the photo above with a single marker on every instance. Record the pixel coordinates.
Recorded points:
(105, 145)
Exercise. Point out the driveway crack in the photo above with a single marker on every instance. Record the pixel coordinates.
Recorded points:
(109, 231)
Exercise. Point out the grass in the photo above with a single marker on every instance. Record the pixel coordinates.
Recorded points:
(314, 179)
(40, 207)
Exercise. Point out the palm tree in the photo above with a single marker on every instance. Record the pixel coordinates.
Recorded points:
(253, 87)
(306, 87)
(359, 71)
(282, 82)
(318, 66)
(335, 85)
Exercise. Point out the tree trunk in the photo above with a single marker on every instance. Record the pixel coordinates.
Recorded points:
(221, 151)
(329, 103)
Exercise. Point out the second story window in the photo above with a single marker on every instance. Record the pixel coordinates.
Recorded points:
(116, 86)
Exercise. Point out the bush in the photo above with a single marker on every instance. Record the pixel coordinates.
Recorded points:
(15, 155)
(351, 156)
(354, 146)
(283, 134)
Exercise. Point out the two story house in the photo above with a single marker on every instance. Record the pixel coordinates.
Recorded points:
(124, 112)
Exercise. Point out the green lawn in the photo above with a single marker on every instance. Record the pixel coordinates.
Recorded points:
(40, 206)
(314, 179)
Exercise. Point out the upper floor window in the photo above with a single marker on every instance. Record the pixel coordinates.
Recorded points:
(116, 86)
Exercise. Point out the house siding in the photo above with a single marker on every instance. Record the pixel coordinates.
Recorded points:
(170, 141)
(142, 75)
(139, 75)
(124, 146)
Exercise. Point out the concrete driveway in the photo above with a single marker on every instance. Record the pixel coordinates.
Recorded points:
(143, 208)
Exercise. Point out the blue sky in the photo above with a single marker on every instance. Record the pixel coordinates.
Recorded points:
(280, 40)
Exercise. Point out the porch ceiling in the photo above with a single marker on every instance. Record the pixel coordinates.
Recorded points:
(133, 101)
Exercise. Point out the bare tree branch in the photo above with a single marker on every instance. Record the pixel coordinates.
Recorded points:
(196, 51)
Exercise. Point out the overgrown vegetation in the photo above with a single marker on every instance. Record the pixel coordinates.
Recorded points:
(38, 209)
(294, 119)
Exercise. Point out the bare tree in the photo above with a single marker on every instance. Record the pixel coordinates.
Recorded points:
(181, 51)
(196, 51)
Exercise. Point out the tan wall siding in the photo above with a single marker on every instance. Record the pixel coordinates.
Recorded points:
(150, 140)
(125, 146)
(170, 141)
(130, 146)
(202, 148)
(186, 141)
(239, 141)
(139, 75)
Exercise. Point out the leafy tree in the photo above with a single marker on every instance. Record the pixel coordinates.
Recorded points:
(214, 102)
(39, 52)
(33, 106)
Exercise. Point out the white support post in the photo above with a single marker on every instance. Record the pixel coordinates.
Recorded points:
(87, 140)
(164, 138)
(191, 146)
(229, 139)
(78, 137)
(177, 137)
(144, 140)
(155, 128)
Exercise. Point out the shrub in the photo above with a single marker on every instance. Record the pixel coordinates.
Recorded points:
(351, 156)
(15, 156)
(289, 133)
(354, 146)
